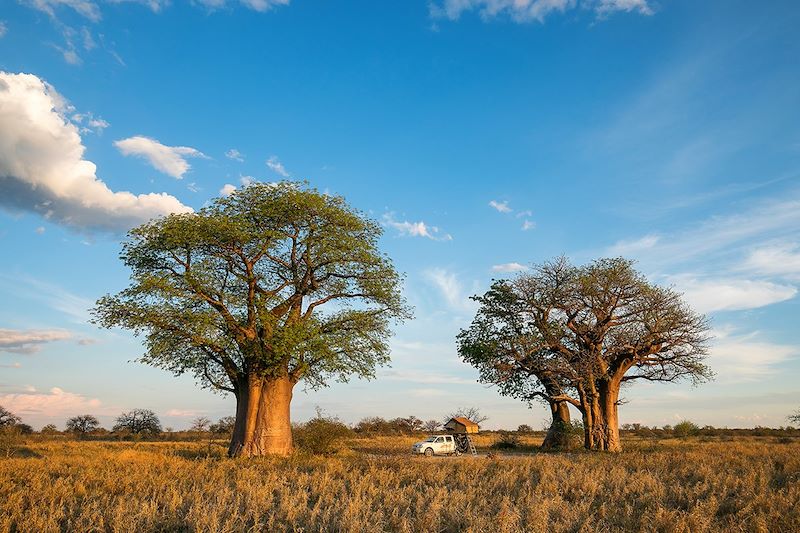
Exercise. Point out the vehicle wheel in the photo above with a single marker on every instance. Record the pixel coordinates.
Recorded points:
(428, 452)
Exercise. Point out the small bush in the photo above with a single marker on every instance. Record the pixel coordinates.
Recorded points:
(10, 437)
(685, 429)
(322, 435)
(507, 441)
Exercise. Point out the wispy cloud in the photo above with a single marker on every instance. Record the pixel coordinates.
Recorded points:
(451, 288)
(502, 207)
(719, 294)
(415, 229)
(53, 296)
(276, 166)
(170, 160)
(509, 267)
(234, 154)
(528, 225)
(534, 10)
(779, 259)
(737, 357)
(29, 341)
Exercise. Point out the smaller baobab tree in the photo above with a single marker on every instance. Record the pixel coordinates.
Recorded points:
(509, 352)
(82, 424)
(138, 421)
(578, 334)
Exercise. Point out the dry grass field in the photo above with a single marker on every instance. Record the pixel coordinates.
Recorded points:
(749, 484)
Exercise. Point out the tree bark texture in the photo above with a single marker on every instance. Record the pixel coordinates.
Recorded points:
(558, 434)
(263, 422)
(601, 421)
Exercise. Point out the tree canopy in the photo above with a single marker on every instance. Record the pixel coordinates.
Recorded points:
(271, 285)
(575, 334)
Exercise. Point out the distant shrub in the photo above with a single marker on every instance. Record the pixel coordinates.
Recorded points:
(396, 426)
(322, 435)
(507, 441)
(10, 437)
(524, 428)
(49, 429)
(224, 426)
(685, 429)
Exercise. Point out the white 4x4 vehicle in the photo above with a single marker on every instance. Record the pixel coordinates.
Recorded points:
(436, 445)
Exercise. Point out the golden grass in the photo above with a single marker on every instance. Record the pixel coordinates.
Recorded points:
(746, 485)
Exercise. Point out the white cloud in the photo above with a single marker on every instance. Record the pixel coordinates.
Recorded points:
(533, 10)
(274, 164)
(624, 248)
(415, 229)
(182, 412)
(500, 206)
(155, 5)
(778, 259)
(606, 7)
(450, 288)
(709, 295)
(42, 167)
(234, 154)
(57, 402)
(227, 189)
(737, 357)
(170, 160)
(3, 29)
(263, 5)
(87, 8)
(87, 123)
(40, 230)
(509, 267)
(26, 341)
(528, 225)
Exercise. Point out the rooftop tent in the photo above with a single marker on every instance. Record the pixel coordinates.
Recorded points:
(460, 424)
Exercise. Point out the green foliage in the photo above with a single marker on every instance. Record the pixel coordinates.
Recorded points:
(239, 288)
(322, 435)
(396, 426)
(685, 428)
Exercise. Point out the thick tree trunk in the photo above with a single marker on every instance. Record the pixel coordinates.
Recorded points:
(263, 423)
(602, 422)
(559, 433)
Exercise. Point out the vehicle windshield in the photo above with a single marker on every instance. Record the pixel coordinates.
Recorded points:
(430, 439)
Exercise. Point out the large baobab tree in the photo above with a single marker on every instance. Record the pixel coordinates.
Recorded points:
(576, 335)
(271, 285)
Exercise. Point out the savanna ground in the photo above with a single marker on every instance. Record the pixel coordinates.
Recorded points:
(707, 484)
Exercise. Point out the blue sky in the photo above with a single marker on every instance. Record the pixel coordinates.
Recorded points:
(484, 135)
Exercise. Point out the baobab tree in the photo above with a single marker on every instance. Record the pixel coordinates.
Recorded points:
(590, 329)
(138, 421)
(271, 285)
(508, 351)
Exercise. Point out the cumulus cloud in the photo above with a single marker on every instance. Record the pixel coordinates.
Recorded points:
(500, 206)
(415, 229)
(275, 165)
(30, 340)
(533, 10)
(709, 295)
(42, 168)
(170, 160)
(227, 189)
(509, 267)
(56, 402)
